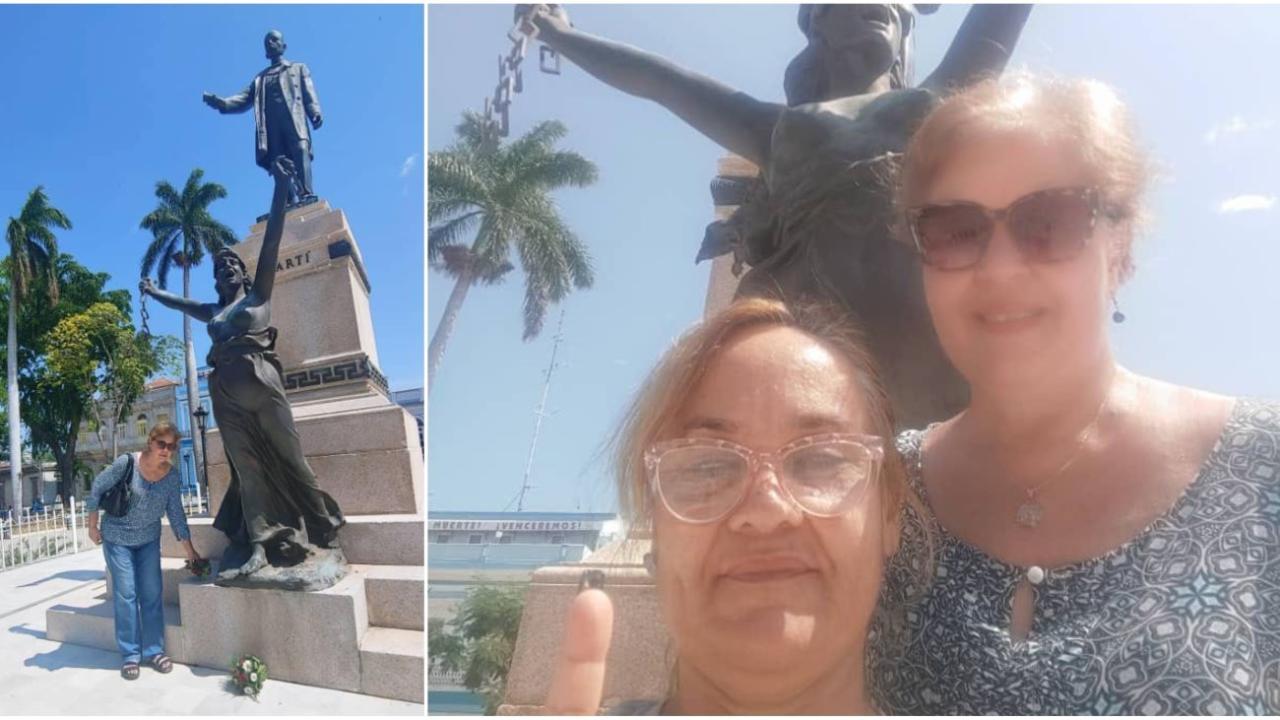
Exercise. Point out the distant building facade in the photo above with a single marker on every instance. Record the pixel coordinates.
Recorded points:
(466, 549)
(412, 400)
(164, 400)
(37, 482)
(190, 436)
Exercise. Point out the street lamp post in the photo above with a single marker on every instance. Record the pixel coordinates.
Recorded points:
(202, 417)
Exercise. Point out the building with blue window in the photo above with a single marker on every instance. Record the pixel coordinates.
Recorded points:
(190, 435)
(164, 400)
(466, 549)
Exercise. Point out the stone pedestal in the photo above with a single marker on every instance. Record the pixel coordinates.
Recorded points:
(363, 448)
(320, 305)
(639, 661)
(365, 633)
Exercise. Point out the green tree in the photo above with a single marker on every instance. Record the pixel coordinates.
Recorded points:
(98, 350)
(33, 248)
(481, 642)
(182, 232)
(503, 193)
(52, 410)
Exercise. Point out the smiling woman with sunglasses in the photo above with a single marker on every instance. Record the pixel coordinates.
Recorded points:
(131, 544)
(755, 453)
(1106, 543)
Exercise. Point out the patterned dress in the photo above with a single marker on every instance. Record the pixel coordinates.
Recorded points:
(1183, 619)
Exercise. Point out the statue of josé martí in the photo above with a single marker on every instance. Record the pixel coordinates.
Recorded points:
(283, 99)
(819, 222)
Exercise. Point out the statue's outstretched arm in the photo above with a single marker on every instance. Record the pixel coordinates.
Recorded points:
(981, 48)
(264, 278)
(238, 103)
(196, 309)
(734, 120)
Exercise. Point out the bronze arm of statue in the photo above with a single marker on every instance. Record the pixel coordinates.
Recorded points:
(819, 222)
(736, 121)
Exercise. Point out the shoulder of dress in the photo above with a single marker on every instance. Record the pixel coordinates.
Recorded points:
(1255, 415)
(908, 441)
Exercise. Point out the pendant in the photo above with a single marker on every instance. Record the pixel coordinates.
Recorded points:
(1029, 513)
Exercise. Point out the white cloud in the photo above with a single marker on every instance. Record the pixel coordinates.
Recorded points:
(409, 163)
(1244, 203)
(1236, 125)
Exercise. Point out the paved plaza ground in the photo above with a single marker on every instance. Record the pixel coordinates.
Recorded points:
(42, 677)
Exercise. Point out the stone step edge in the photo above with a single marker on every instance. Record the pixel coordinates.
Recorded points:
(376, 639)
(394, 573)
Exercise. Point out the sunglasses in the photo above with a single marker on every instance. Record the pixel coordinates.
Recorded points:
(165, 445)
(1047, 226)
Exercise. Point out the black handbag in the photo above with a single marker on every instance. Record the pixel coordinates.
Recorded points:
(115, 501)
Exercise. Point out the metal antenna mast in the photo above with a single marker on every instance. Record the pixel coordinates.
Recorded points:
(539, 413)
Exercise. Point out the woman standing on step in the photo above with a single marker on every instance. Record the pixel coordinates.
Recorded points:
(131, 544)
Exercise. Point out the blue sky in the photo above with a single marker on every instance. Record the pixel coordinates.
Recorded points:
(1201, 309)
(103, 101)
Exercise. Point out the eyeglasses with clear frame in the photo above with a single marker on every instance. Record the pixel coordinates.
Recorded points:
(701, 480)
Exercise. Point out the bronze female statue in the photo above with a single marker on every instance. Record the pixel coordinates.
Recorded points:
(273, 493)
(821, 222)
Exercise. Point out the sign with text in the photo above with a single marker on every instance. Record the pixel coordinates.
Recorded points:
(514, 525)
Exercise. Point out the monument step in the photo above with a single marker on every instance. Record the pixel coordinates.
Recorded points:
(366, 540)
(353, 653)
(87, 618)
(391, 663)
(305, 637)
(394, 594)
(173, 571)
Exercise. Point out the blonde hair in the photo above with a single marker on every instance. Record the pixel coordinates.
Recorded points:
(1088, 115)
(164, 427)
(654, 411)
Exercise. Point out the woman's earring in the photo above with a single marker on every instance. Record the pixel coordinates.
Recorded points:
(1116, 315)
(651, 563)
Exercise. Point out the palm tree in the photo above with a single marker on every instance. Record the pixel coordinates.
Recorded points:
(183, 231)
(33, 248)
(504, 193)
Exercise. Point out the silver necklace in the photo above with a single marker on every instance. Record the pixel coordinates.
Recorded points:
(1030, 512)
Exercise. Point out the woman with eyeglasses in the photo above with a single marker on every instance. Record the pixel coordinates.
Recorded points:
(1107, 543)
(131, 544)
(756, 454)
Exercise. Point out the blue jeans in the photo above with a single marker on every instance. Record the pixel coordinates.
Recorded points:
(137, 594)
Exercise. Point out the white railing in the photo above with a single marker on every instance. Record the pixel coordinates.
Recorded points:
(195, 504)
(438, 678)
(26, 537)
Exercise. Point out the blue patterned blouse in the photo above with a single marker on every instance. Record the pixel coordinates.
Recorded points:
(1183, 619)
(150, 502)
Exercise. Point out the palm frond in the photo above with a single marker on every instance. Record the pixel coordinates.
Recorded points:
(161, 245)
(166, 262)
(537, 141)
(191, 188)
(447, 234)
(207, 193)
(182, 225)
(167, 195)
(451, 177)
(475, 134)
(557, 170)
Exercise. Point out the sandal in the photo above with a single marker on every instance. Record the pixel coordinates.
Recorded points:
(161, 663)
(129, 671)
